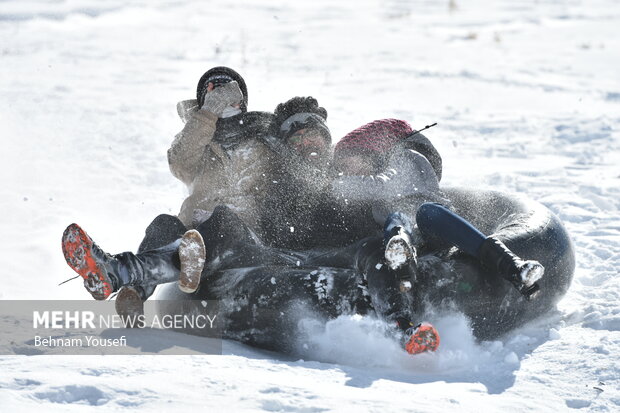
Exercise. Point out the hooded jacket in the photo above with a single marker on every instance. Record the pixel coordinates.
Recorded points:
(221, 161)
(407, 181)
(403, 177)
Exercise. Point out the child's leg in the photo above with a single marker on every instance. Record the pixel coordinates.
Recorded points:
(443, 228)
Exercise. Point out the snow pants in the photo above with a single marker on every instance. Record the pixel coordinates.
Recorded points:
(231, 245)
(351, 279)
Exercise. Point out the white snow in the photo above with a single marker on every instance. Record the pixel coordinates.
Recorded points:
(526, 94)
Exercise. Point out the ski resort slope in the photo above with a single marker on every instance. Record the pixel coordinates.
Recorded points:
(527, 97)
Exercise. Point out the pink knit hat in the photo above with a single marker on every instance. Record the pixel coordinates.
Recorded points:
(375, 139)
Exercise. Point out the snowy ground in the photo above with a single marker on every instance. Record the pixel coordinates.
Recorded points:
(527, 96)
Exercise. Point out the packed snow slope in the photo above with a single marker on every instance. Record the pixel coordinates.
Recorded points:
(527, 97)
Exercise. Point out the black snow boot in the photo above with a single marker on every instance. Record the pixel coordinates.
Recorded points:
(521, 273)
(399, 250)
(390, 290)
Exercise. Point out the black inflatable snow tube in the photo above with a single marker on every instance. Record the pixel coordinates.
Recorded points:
(531, 231)
(449, 279)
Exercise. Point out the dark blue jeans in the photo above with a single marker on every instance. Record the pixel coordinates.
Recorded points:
(440, 228)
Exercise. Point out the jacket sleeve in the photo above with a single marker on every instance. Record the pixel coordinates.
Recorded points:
(186, 154)
(423, 145)
(185, 108)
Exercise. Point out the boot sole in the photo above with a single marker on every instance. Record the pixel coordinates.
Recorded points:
(397, 252)
(77, 249)
(192, 253)
(531, 272)
(129, 306)
(423, 338)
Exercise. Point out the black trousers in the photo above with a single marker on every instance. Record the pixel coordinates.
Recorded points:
(163, 230)
(232, 249)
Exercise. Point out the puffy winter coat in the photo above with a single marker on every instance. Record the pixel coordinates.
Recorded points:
(222, 162)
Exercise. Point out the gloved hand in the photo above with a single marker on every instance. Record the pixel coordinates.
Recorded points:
(221, 97)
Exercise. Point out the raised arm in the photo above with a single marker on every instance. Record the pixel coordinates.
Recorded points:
(186, 156)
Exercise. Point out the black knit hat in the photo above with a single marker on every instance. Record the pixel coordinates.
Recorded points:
(300, 113)
(218, 76)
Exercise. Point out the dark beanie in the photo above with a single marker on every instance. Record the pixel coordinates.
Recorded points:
(218, 76)
(300, 113)
(376, 139)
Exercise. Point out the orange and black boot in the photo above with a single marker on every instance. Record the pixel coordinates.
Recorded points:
(104, 273)
(90, 262)
(421, 338)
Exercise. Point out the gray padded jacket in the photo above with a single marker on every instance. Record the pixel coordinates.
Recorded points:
(215, 176)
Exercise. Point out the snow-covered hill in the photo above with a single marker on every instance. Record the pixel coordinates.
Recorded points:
(527, 96)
